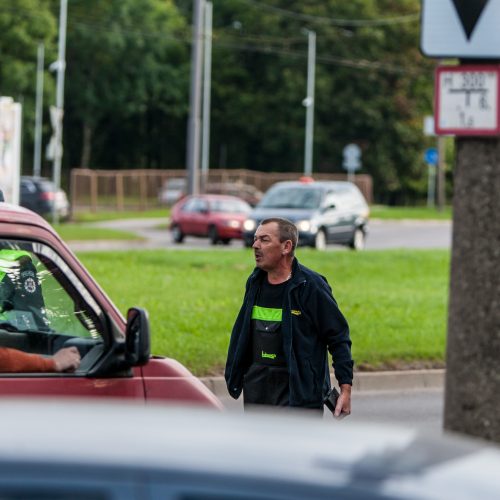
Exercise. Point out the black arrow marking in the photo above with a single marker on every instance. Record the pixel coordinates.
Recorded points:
(469, 12)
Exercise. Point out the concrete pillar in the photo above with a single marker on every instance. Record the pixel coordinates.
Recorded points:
(472, 395)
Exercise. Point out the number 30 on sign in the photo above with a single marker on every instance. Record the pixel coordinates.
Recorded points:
(467, 99)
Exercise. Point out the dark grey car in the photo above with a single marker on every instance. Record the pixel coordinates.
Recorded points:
(40, 196)
(324, 212)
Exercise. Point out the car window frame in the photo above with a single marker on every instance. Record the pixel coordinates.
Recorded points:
(73, 286)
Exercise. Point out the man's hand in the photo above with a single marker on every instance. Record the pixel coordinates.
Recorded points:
(343, 407)
(67, 359)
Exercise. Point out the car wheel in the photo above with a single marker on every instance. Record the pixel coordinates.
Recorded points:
(358, 239)
(177, 234)
(320, 240)
(212, 235)
(226, 241)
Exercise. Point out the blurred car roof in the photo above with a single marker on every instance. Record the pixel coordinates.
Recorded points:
(212, 196)
(172, 190)
(200, 454)
(247, 192)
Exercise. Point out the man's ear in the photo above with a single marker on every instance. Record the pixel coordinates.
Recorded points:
(287, 247)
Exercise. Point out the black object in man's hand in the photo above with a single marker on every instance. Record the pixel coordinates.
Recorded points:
(331, 399)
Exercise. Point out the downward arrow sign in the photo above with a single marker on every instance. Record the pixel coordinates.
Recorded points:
(469, 12)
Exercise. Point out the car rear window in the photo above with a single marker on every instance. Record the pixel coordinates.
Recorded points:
(231, 206)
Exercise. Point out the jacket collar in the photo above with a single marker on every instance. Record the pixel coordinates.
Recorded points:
(297, 274)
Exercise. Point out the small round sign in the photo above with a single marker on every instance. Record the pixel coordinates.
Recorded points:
(352, 157)
(431, 156)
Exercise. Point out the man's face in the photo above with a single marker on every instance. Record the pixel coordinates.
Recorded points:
(268, 249)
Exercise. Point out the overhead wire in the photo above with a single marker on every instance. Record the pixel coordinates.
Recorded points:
(406, 18)
(259, 43)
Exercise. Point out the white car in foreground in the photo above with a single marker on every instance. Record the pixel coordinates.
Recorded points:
(92, 450)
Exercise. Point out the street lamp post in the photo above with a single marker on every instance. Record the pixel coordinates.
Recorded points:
(308, 102)
(193, 139)
(61, 67)
(37, 154)
(207, 74)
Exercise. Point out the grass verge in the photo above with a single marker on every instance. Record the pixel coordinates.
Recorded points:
(78, 232)
(395, 301)
(413, 213)
(115, 215)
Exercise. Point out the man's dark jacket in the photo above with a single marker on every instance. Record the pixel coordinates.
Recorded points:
(311, 323)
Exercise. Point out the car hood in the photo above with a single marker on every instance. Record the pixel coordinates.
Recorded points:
(292, 214)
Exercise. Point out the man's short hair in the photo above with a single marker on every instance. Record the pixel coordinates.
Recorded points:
(287, 230)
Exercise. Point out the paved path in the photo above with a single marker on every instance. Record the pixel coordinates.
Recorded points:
(413, 398)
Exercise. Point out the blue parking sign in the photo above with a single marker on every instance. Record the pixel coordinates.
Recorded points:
(431, 156)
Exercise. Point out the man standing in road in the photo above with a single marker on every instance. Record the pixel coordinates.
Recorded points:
(278, 350)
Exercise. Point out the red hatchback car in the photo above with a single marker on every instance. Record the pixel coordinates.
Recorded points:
(218, 217)
(56, 303)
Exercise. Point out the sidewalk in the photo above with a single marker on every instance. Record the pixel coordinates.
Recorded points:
(368, 381)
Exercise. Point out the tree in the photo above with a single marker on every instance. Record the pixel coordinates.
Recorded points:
(126, 78)
(372, 87)
(23, 25)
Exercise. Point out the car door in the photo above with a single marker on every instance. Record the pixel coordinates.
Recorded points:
(186, 216)
(333, 218)
(44, 307)
(199, 217)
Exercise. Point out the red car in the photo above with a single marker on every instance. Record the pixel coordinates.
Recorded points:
(60, 305)
(218, 217)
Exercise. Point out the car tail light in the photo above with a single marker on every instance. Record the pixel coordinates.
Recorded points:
(47, 195)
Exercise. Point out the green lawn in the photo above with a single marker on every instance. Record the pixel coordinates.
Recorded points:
(78, 232)
(114, 215)
(395, 301)
(400, 213)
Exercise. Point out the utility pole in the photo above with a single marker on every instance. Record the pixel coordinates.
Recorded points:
(308, 102)
(61, 67)
(193, 139)
(37, 153)
(207, 76)
(467, 106)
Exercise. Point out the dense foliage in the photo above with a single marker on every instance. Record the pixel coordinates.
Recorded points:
(128, 76)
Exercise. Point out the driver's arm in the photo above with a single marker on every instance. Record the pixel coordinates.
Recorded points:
(15, 361)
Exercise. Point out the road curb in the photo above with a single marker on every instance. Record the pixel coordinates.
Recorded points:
(368, 381)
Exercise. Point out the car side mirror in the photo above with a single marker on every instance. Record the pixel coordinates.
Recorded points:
(137, 341)
(331, 206)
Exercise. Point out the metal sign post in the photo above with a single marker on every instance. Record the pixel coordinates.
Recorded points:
(431, 158)
(352, 160)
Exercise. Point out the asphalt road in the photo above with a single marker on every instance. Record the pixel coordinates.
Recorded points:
(421, 409)
(381, 235)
